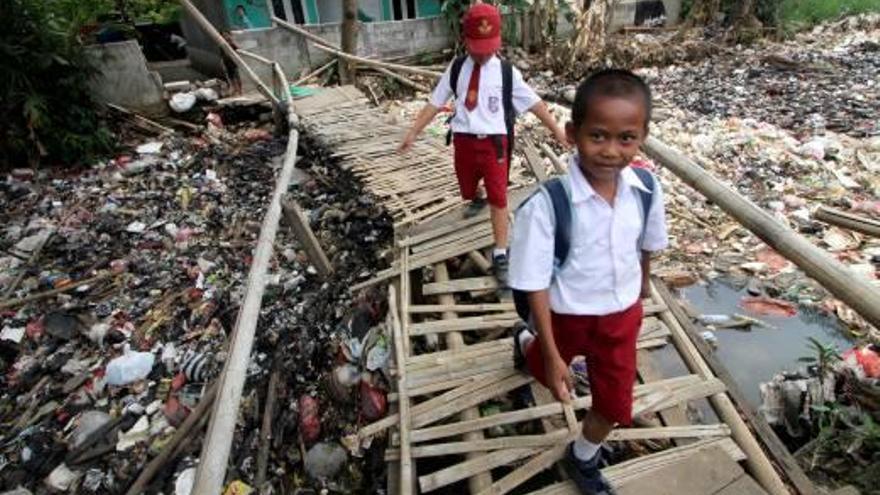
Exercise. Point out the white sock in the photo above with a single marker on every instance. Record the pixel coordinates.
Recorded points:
(525, 338)
(584, 449)
(499, 252)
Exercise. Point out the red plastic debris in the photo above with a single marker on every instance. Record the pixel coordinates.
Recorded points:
(374, 404)
(868, 359)
(767, 306)
(309, 419)
(772, 259)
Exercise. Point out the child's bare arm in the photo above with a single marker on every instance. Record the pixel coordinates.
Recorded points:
(646, 274)
(556, 370)
(543, 113)
(425, 116)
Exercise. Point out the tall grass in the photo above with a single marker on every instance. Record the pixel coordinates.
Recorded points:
(799, 14)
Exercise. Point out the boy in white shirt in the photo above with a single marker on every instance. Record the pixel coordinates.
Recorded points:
(590, 305)
(482, 124)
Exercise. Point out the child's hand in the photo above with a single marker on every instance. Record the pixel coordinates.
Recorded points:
(407, 143)
(559, 378)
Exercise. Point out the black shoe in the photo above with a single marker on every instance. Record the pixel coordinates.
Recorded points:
(519, 359)
(586, 474)
(499, 268)
(475, 207)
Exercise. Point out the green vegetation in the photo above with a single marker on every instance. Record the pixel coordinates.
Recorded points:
(798, 14)
(49, 114)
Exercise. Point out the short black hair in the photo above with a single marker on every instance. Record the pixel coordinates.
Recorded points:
(609, 83)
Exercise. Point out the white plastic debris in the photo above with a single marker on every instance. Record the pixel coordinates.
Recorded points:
(61, 478)
(12, 334)
(138, 433)
(136, 227)
(206, 94)
(184, 483)
(150, 148)
(130, 367)
(89, 422)
(182, 102)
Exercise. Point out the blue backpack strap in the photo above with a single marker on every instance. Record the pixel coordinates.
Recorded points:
(561, 202)
(454, 72)
(646, 198)
(507, 103)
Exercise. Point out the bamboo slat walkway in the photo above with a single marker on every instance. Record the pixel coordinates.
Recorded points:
(454, 361)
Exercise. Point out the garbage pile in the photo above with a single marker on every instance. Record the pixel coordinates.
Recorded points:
(829, 411)
(119, 286)
(830, 72)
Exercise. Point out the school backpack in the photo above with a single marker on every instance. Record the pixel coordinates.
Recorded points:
(506, 97)
(556, 190)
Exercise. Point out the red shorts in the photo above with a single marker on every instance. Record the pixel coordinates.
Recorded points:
(609, 345)
(477, 159)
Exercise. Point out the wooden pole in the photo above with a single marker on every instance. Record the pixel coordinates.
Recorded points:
(757, 462)
(232, 54)
(774, 446)
(816, 263)
(406, 470)
(848, 220)
(347, 69)
(296, 220)
(11, 303)
(326, 46)
(218, 441)
(266, 430)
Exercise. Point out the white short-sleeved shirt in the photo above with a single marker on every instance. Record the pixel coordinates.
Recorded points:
(603, 273)
(488, 116)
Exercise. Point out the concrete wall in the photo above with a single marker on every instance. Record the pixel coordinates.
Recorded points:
(123, 78)
(625, 13)
(201, 49)
(375, 39)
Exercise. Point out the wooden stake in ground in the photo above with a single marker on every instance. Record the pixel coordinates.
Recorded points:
(347, 68)
(297, 220)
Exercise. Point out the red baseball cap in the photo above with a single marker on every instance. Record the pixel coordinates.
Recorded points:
(482, 29)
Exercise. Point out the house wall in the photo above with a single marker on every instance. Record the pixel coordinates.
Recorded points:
(203, 53)
(122, 78)
(375, 39)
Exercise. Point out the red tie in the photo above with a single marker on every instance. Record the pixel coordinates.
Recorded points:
(470, 102)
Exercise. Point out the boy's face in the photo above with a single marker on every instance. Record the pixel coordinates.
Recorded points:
(479, 59)
(610, 136)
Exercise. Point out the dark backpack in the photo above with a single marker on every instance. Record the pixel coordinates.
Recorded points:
(506, 97)
(556, 190)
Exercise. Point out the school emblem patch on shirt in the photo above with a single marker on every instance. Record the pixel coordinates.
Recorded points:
(493, 104)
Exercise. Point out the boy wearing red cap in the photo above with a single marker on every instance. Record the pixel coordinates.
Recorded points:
(480, 126)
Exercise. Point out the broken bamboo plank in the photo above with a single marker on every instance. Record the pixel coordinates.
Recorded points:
(447, 476)
(562, 435)
(865, 225)
(461, 308)
(296, 219)
(406, 468)
(315, 73)
(816, 263)
(757, 461)
(469, 323)
(534, 161)
(775, 447)
(460, 285)
(214, 458)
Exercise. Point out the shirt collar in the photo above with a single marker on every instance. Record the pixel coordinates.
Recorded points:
(581, 190)
(492, 61)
